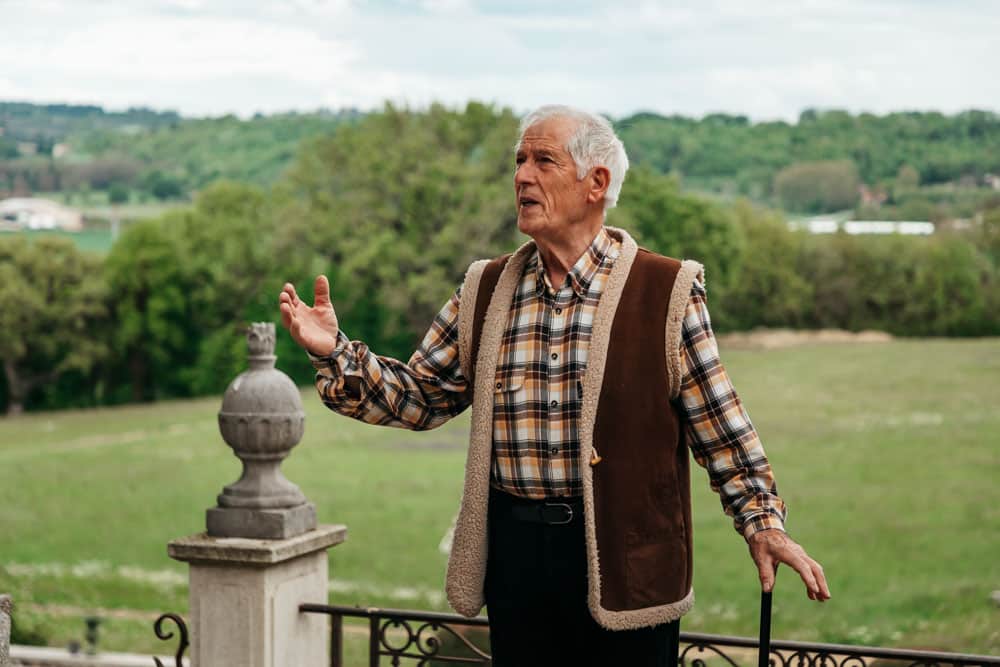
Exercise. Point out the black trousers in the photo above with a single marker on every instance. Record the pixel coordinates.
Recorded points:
(536, 599)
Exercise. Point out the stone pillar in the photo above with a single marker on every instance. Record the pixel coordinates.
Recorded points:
(263, 553)
(6, 608)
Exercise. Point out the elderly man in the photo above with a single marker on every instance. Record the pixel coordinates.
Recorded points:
(591, 369)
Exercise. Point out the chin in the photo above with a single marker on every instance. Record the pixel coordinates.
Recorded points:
(529, 224)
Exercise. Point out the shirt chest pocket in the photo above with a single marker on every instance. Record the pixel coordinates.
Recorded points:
(508, 386)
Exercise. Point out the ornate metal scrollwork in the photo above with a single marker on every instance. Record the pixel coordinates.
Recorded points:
(165, 635)
(699, 660)
(424, 644)
(422, 637)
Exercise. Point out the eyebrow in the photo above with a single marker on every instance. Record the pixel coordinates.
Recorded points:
(522, 153)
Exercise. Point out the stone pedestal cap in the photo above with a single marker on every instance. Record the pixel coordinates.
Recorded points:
(203, 548)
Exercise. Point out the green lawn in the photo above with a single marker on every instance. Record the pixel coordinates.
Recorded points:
(888, 456)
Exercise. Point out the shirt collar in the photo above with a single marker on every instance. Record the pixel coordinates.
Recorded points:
(603, 248)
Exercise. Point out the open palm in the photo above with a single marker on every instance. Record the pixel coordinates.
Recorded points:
(314, 328)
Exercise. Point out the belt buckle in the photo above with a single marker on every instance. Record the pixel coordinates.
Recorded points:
(569, 513)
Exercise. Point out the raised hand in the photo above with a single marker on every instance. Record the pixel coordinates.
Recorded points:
(768, 548)
(315, 328)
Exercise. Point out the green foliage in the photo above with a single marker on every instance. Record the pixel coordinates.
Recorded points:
(51, 313)
(179, 158)
(54, 122)
(728, 156)
(681, 225)
(28, 629)
(118, 193)
(814, 187)
(907, 179)
(8, 148)
(396, 207)
(183, 285)
(904, 285)
(767, 289)
(163, 186)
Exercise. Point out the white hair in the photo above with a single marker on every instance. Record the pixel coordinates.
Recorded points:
(593, 144)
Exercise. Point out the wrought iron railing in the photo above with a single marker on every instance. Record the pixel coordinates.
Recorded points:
(165, 635)
(426, 638)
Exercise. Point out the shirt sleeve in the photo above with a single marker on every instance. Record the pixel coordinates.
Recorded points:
(720, 434)
(420, 394)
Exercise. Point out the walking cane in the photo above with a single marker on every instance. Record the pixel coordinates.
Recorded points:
(764, 646)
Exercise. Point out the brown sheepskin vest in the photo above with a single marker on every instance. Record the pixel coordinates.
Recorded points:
(637, 504)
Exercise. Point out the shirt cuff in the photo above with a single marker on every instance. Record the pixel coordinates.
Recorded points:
(338, 376)
(762, 521)
(332, 360)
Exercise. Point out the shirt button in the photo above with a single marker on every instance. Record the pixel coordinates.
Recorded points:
(558, 311)
(499, 385)
(555, 355)
(554, 403)
(554, 450)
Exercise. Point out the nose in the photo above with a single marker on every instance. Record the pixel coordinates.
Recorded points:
(524, 174)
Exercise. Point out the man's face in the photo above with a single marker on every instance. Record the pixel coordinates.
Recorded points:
(550, 198)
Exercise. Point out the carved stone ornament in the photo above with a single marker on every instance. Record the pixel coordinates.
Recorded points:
(261, 419)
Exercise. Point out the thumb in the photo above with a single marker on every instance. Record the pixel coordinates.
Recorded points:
(321, 291)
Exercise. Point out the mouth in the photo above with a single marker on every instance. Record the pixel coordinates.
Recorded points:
(526, 203)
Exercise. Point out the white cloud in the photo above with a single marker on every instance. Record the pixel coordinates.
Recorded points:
(763, 59)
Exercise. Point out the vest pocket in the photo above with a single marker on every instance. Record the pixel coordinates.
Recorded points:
(656, 568)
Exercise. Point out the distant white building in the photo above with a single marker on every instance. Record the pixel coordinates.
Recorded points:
(31, 213)
(831, 226)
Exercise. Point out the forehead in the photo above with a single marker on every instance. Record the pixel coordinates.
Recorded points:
(551, 133)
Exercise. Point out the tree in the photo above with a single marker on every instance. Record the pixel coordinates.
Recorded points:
(767, 290)
(907, 178)
(816, 187)
(396, 207)
(51, 301)
(163, 186)
(184, 285)
(118, 193)
(148, 281)
(681, 225)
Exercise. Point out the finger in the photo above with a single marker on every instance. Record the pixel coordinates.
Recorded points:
(824, 588)
(287, 316)
(805, 572)
(289, 289)
(321, 291)
(765, 569)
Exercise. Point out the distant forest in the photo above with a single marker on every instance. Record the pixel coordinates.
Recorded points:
(905, 165)
(393, 206)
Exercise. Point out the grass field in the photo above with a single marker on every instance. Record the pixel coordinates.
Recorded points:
(888, 456)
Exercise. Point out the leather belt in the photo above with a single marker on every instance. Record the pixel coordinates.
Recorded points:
(552, 513)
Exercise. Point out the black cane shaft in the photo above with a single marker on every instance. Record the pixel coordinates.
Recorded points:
(764, 650)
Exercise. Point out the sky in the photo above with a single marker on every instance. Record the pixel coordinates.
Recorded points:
(768, 60)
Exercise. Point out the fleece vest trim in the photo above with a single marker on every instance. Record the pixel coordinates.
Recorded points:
(637, 500)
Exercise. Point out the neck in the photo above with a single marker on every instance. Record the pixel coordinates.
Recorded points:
(558, 255)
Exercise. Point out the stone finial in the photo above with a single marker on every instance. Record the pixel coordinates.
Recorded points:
(260, 340)
(261, 419)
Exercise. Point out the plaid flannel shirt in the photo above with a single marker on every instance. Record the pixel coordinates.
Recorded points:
(538, 391)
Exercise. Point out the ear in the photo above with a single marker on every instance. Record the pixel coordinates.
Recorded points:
(598, 181)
